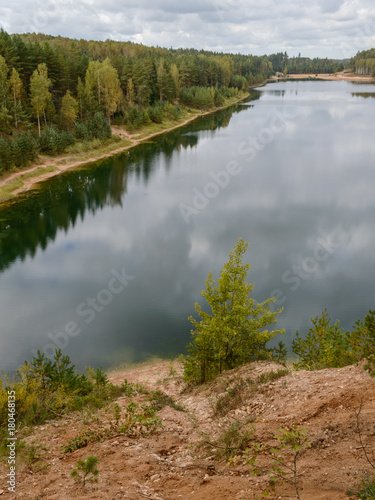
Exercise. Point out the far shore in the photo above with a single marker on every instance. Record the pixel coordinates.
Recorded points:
(47, 167)
(343, 75)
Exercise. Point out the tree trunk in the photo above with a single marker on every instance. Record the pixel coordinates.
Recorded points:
(15, 108)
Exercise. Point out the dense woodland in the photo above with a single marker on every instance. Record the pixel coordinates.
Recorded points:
(303, 65)
(55, 91)
(363, 63)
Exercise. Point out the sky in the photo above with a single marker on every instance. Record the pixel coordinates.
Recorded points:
(314, 28)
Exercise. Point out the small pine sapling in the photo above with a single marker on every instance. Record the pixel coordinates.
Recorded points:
(86, 470)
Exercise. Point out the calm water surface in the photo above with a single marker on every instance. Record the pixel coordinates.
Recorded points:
(108, 261)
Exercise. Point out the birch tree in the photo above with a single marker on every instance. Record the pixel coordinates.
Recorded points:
(39, 91)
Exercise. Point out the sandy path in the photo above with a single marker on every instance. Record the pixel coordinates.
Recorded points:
(324, 76)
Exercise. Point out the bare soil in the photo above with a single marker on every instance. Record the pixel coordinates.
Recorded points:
(170, 465)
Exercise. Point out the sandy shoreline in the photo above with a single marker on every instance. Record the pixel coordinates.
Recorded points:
(30, 183)
(332, 77)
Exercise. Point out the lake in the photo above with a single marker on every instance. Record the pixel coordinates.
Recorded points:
(108, 260)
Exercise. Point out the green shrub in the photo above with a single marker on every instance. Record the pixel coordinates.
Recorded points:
(233, 441)
(291, 441)
(53, 142)
(366, 491)
(232, 399)
(362, 341)
(46, 389)
(159, 399)
(96, 127)
(17, 152)
(279, 353)
(86, 470)
(325, 346)
(134, 420)
(156, 114)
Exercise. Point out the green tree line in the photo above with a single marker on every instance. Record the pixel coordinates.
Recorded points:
(304, 65)
(363, 63)
(55, 90)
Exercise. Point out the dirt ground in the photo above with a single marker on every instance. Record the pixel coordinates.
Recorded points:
(170, 466)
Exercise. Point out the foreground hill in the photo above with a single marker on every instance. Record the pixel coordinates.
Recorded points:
(188, 458)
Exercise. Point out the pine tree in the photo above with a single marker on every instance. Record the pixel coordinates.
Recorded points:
(176, 78)
(126, 73)
(8, 50)
(16, 92)
(82, 96)
(4, 83)
(142, 76)
(130, 93)
(234, 332)
(164, 82)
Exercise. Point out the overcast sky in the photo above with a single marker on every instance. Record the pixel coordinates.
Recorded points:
(315, 28)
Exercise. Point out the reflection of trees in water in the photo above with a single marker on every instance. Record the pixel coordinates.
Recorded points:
(30, 223)
(365, 95)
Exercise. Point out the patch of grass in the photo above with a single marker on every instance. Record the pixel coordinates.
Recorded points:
(366, 490)
(234, 440)
(32, 454)
(6, 191)
(159, 400)
(234, 396)
(231, 400)
(271, 376)
(38, 171)
(83, 147)
(133, 421)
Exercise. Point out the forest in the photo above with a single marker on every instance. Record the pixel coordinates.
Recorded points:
(55, 91)
(363, 63)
